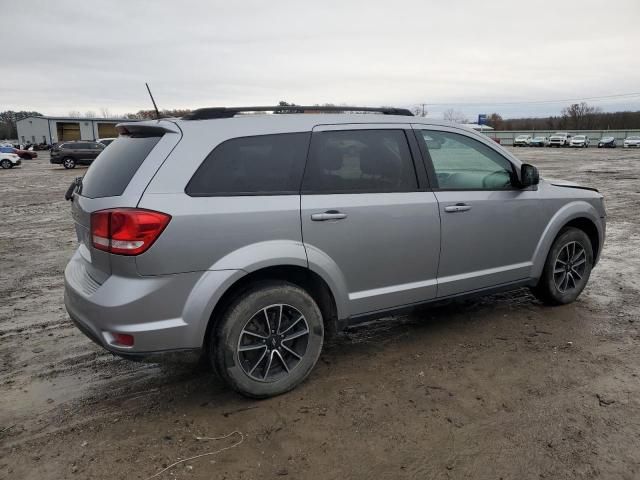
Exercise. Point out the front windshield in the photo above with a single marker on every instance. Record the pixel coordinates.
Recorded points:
(633, 138)
(579, 137)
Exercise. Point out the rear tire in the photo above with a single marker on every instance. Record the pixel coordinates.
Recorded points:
(68, 163)
(566, 269)
(6, 164)
(268, 340)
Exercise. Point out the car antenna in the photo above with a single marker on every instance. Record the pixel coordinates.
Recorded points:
(153, 101)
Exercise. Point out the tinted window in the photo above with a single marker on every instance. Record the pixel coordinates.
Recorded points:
(76, 146)
(264, 164)
(359, 161)
(113, 169)
(462, 163)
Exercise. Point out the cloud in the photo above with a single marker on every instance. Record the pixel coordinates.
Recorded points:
(84, 56)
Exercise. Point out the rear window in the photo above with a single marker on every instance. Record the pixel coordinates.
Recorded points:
(260, 165)
(113, 169)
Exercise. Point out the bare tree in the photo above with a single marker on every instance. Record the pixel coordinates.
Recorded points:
(104, 111)
(579, 115)
(454, 116)
(419, 110)
(90, 114)
(495, 121)
(74, 114)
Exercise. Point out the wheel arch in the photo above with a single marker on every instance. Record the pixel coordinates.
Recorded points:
(303, 277)
(579, 214)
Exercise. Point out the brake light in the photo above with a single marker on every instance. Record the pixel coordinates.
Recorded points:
(126, 231)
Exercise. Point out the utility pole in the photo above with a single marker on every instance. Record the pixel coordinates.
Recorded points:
(423, 109)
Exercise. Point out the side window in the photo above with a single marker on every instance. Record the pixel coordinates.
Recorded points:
(265, 164)
(462, 163)
(359, 161)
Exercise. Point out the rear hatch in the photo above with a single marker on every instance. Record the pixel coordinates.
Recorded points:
(117, 178)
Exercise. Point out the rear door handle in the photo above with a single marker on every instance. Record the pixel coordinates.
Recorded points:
(458, 207)
(328, 215)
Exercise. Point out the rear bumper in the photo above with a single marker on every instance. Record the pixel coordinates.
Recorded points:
(158, 311)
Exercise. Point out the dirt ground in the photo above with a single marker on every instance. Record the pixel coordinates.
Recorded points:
(500, 387)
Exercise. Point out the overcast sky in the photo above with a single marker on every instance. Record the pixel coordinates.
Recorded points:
(61, 56)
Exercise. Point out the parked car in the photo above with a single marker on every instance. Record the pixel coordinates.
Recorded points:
(248, 239)
(70, 154)
(24, 154)
(539, 142)
(607, 142)
(559, 139)
(105, 141)
(581, 141)
(9, 160)
(522, 141)
(632, 141)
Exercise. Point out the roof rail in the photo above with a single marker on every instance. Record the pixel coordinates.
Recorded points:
(228, 112)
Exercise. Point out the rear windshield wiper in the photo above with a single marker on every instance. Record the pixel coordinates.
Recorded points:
(75, 187)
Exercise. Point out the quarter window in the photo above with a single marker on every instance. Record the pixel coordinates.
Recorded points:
(265, 164)
(359, 161)
(462, 163)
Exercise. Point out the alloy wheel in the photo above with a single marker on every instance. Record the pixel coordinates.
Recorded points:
(569, 267)
(273, 342)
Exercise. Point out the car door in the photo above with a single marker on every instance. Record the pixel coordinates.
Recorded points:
(490, 227)
(368, 217)
(81, 151)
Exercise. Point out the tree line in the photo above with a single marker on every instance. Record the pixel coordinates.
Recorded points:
(577, 116)
(9, 120)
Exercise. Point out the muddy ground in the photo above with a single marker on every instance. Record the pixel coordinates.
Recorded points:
(501, 387)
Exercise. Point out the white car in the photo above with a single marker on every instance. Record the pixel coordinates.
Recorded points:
(9, 160)
(581, 141)
(559, 139)
(522, 141)
(633, 141)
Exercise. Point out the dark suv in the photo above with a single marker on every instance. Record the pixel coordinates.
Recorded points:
(70, 154)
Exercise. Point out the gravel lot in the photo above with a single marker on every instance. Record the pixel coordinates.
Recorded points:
(500, 387)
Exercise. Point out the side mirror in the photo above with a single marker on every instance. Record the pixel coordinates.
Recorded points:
(529, 175)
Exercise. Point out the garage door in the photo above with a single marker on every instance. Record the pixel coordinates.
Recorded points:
(68, 131)
(107, 130)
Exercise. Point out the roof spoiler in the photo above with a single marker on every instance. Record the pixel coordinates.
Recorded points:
(146, 129)
(229, 112)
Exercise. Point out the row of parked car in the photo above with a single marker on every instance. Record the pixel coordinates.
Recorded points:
(68, 154)
(11, 156)
(565, 139)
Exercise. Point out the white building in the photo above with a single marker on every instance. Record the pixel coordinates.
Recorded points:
(50, 130)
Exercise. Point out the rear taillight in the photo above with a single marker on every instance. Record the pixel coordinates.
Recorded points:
(126, 231)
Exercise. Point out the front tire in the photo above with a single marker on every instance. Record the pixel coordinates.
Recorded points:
(6, 164)
(566, 269)
(68, 163)
(268, 340)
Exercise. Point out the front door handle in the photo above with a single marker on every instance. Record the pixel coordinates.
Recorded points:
(328, 215)
(458, 207)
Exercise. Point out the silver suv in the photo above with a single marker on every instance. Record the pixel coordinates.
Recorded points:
(248, 238)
